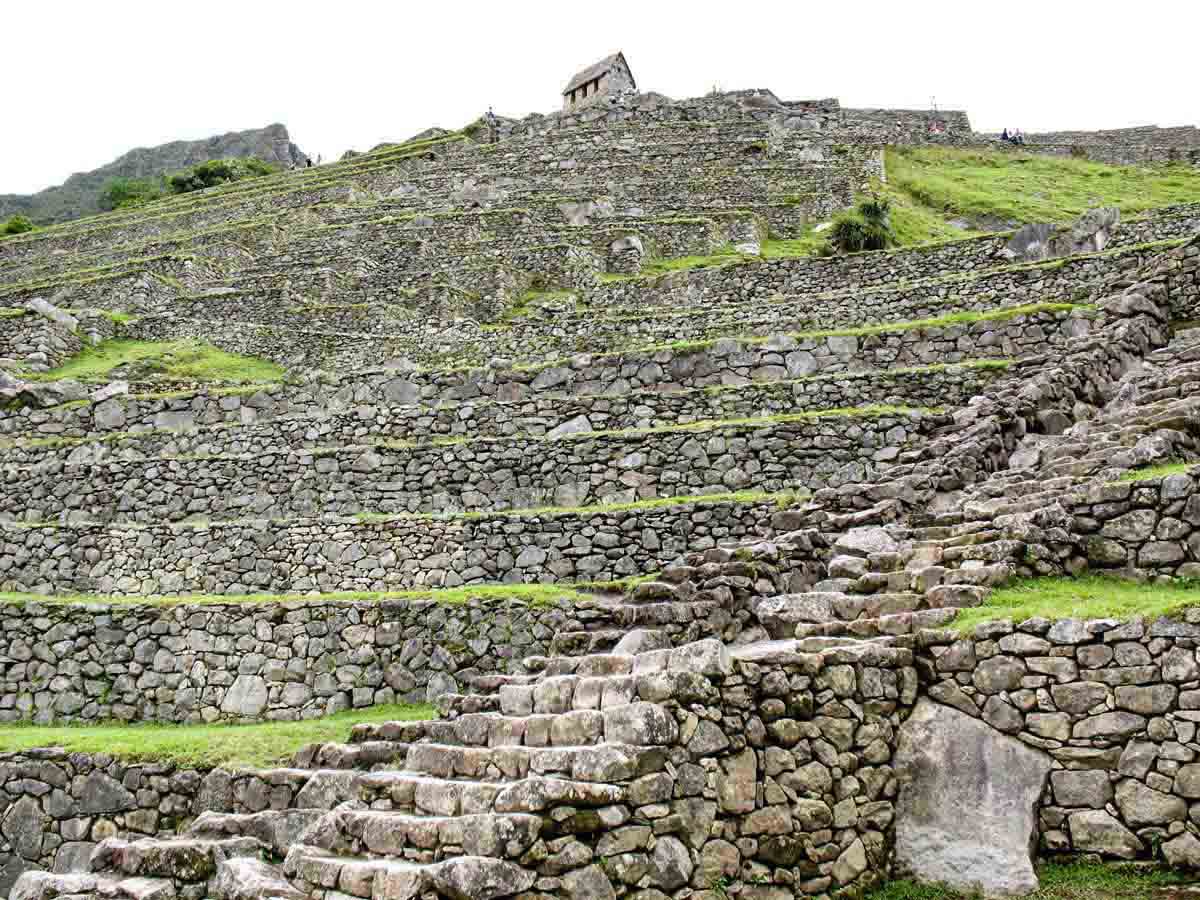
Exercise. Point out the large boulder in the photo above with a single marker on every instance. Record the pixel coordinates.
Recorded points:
(1038, 241)
(950, 763)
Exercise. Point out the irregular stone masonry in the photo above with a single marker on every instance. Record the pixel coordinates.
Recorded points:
(735, 762)
(379, 554)
(42, 341)
(485, 474)
(629, 758)
(351, 409)
(1088, 372)
(259, 661)
(434, 344)
(1113, 704)
(1141, 527)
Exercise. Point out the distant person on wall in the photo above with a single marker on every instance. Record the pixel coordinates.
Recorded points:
(493, 128)
(307, 162)
(1018, 137)
(1004, 136)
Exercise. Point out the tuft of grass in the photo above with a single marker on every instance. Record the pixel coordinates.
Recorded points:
(1088, 597)
(1000, 186)
(232, 746)
(183, 359)
(1062, 881)
(1159, 471)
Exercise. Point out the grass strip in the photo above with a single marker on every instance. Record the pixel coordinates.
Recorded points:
(531, 594)
(1065, 881)
(1087, 597)
(231, 746)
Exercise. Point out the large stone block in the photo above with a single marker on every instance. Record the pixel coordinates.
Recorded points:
(949, 762)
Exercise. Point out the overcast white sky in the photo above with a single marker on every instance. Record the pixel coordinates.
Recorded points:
(85, 81)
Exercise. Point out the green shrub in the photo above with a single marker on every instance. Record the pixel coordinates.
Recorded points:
(17, 224)
(217, 171)
(866, 227)
(127, 193)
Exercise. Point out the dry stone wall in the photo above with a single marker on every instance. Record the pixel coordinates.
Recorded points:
(304, 555)
(1113, 705)
(482, 475)
(770, 773)
(354, 408)
(257, 661)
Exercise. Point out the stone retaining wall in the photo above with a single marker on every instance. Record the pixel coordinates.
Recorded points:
(485, 475)
(1146, 528)
(396, 554)
(1114, 706)
(254, 662)
(774, 776)
(353, 408)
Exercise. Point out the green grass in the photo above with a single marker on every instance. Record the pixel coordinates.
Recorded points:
(1088, 597)
(1159, 471)
(246, 746)
(183, 359)
(534, 594)
(11, 312)
(1018, 187)
(1062, 881)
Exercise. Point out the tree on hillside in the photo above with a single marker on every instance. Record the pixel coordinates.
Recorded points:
(127, 193)
(217, 171)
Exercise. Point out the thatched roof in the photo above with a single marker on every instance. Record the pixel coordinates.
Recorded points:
(596, 70)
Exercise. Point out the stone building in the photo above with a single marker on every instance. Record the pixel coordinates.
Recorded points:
(610, 76)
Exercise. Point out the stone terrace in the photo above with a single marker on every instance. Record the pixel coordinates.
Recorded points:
(754, 494)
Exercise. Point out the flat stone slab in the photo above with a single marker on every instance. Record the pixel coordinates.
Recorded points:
(966, 815)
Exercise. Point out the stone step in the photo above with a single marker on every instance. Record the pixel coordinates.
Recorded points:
(983, 574)
(451, 705)
(881, 626)
(278, 829)
(38, 885)
(368, 832)
(961, 540)
(409, 792)
(246, 878)
(462, 877)
(181, 859)
(581, 643)
(608, 762)
(992, 552)
(361, 756)
(877, 582)
(781, 614)
(957, 595)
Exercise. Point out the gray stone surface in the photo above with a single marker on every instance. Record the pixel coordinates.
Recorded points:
(949, 762)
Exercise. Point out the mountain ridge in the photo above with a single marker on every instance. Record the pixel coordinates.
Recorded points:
(79, 194)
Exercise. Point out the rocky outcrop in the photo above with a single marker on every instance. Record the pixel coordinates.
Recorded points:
(1090, 233)
(78, 195)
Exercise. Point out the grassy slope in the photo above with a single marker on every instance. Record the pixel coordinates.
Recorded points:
(194, 745)
(1090, 597)
(933, 184)
(1070, 881)
(174, 359)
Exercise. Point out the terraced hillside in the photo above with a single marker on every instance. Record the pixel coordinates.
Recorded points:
(676, 523)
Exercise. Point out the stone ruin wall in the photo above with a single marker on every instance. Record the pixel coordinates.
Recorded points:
(788, 763)
(394, 554)
(783, 765)
(257, 661)
(1114, 705)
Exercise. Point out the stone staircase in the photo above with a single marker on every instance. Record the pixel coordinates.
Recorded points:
(513, 790)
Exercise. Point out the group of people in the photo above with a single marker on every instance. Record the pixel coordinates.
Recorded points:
(1016, 136)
